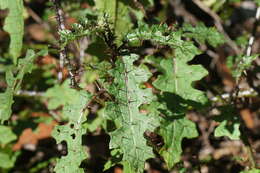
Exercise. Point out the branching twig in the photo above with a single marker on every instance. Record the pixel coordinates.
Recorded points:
(63, 51)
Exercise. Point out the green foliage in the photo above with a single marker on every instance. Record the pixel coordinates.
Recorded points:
(14, 25)
(124, 110)
(229, 123)
(134, 91)
(6, 135)
(7, 160)
(175, 70)
(257, 2)
(173, 132)
(59, 95)
(72, 133)
(174, 78)
(24, 66)
(118, 14)
(78, 30)
(203, 34)
(7, 156)
(238, 64)
(252, 170)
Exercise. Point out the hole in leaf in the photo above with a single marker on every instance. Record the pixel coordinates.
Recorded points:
(73, 136)
(64, 148)
(144, 109)
(72, 126)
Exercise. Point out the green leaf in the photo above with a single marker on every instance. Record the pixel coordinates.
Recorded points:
(6, 98)
(232, 131)
(159, 34)
(8, 158)
(238, 64)
(6, 135)
(60, 95)
(6, 161)
(72, 133)
(203, 34)
(14, 25)
(173, 132)
(118, 13)
(178, 76)
(229, 123)
(129, 136)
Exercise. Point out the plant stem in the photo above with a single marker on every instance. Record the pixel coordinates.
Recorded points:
(63, 51)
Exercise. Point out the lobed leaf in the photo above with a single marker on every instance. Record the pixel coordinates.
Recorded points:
(173, 133)
(178, 78)
(132, 124)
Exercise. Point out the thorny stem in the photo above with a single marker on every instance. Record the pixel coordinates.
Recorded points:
(63, 51)
(248, 52)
